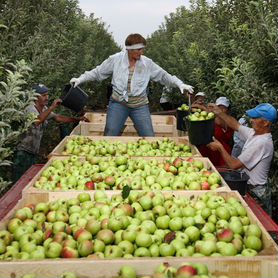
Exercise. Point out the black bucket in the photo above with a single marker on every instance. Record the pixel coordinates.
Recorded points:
(181, 119)
(74, 98)
(236, 181)
(200, 132)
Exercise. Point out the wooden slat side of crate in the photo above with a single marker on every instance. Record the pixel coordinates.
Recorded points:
(97, 129)
(76, 130)
(95, 117)
(232, 267)
(207, 164)
(156, 119)
(58, 150)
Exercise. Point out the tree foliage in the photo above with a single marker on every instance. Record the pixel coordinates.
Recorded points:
(58, 42)
(14, 98)
(228, 49)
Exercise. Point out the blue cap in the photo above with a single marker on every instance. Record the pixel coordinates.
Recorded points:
(265, 111)
(40, 89)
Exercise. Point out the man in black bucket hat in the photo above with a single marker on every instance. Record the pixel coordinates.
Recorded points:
(29, 143)
(257, 152)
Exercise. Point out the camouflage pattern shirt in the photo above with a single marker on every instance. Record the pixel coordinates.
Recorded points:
(30, 140)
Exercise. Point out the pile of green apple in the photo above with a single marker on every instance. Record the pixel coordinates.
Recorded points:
(82, 145)
(145, 224)
(186, 269)
(107, 173)
(200, 115)
(183, 107)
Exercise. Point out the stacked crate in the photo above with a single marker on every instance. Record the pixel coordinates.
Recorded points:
(164, 126)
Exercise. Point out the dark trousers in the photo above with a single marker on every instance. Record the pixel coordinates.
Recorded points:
(167, 106)
(262, 195)
(22, 162)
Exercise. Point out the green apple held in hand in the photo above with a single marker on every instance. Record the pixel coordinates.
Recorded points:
(183, 107)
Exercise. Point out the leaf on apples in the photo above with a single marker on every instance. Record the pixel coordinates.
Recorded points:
(169, 237)
(125, 191)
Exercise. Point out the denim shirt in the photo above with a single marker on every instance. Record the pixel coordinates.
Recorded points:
(117, 66)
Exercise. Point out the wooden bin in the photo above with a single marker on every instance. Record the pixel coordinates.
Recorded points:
(262, 265)
(207, 163)
(163, 125)
(58, 150)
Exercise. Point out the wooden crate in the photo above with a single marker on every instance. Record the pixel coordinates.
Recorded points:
(207, 163)
(262, 265)
(163, 125)
(58, 150)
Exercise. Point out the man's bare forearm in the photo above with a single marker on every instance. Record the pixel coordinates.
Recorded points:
(231, 162)
(229, 120)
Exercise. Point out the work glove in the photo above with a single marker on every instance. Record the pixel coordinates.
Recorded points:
(75, 82)
(188, 88)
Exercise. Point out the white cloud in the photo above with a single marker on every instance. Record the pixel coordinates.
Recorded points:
(131, 16)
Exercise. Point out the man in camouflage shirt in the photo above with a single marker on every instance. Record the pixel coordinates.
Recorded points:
(29, 143)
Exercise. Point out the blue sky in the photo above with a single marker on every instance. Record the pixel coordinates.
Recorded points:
(123, 17)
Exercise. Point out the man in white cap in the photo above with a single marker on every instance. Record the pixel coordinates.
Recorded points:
(257, 152)
(200, 98)
(131, 72)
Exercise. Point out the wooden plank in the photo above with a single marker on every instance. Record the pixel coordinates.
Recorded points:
(156, 119)
(207, 163)
(76, 130)
(10, 198)
(95, 129)
(164, 125)
(232, 267)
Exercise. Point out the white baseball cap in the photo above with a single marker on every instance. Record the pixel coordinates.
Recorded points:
(223, 101)
(200, 94)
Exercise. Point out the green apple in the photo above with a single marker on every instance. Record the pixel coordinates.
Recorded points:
(193, 233)
(253, 242)
(127, 272)
(126, 246)
(143, 239)
(249, 252)
(83, 197)
(166, 250)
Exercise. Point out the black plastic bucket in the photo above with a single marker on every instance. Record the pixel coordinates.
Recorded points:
(236, 181)
(74, 98)
(200, 132)
(181, 119)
